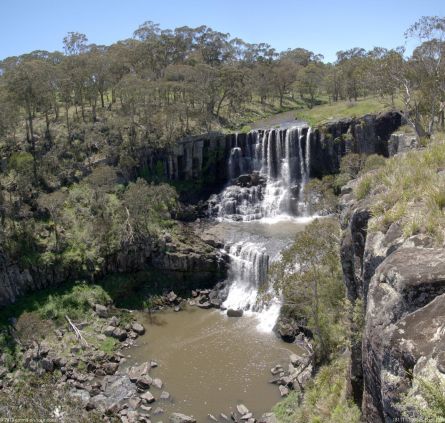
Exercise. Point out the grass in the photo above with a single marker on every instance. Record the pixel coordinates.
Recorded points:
(341, 109)
(406, 187)
(324, 400)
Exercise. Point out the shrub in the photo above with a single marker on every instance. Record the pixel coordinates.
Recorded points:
(364, 187)
(324, 401)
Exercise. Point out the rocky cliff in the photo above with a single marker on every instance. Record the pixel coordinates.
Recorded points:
(401, 282)
(188, 262)
(206, 157)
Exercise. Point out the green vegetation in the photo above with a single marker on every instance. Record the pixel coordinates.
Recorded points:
(325, 398)
(52, 403)
(426, 402)
(407, 190)
(322, 194)
(310, 279)
(342, 109)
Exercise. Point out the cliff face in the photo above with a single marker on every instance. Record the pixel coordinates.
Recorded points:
(402, 285)
(193, 264)
(206, 157)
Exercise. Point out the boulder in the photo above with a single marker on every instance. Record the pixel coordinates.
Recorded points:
(157, 383)
(235, 313)
(164, 395)
(138, 328)
(136, 372)
(147, 397)
(171, 297)
(144, 382)
(242, 409)
(134, 402)
(110, 368)
(101, 310)
(47, 364)
(284, 391)
(113, 321)
(181, 418)
(119, 334)
(108, 331)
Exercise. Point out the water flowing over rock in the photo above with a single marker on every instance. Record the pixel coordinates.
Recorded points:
(267, 172)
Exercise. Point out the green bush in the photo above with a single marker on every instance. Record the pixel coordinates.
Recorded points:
(364, 187)
(324, 400)
(75, 302)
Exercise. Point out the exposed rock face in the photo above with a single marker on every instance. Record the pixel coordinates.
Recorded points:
(402, 284)
(206, 157)
(190, 263)
(367, 135)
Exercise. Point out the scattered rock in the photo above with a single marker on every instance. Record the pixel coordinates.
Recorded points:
(235, 313)
(158, 411)
(136, 372)
(153, 364)
(47, 364)
(242, 409)
(171, 297)
(212, 417)
(147, 397)
(110, 368)
(164, 396)
(284, 391)
(108, 331)
(181, 418)
(101, 310)
(276, 370)
(119, 334)
(138, 328)
(134, 402)
(157, 383)
(295, 359)
(144, 382)
(223, 416)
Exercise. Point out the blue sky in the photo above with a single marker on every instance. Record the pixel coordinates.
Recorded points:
(321, 26)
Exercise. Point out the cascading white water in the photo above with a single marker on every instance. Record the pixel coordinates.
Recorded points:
(247, 275)
(268, 172)
(275, 166)
(248, 271)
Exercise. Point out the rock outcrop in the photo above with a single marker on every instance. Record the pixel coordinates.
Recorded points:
(401, 283)
(205, 158)
(189, 263)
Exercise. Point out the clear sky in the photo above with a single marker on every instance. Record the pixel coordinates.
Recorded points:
(323, 26)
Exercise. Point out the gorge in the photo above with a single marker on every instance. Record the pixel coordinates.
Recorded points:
(241, 230)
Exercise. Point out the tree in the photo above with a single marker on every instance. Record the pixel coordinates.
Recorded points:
(309, 278)
(422, 77)
(309, 82)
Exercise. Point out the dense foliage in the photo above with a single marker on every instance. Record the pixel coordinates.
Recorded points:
(309, 278)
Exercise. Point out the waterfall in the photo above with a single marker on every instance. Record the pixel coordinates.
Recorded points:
(268, 170)
(267, 175)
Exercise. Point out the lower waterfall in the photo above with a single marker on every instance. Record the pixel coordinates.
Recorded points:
(267, 174)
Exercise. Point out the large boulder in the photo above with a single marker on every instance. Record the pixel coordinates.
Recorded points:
(231, 312)
(404, 320)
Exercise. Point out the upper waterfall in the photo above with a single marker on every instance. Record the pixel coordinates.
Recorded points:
(267, 171)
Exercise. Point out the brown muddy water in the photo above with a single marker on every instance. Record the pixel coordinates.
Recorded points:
(209, 363)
